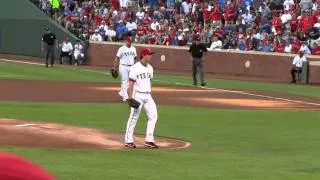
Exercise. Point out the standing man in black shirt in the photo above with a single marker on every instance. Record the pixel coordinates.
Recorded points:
(196, 51)
(48, 45)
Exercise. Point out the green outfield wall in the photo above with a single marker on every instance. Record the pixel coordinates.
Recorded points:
(21, 27)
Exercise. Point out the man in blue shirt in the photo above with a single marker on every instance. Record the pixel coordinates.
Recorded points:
(267, 47)
(121, 30)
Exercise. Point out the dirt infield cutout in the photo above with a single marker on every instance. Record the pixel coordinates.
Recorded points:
(50, 135)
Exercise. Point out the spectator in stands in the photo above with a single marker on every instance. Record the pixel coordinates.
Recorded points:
(264, 10)
(186, 7)
(304, 48)
(96, 36)
(121, 30)
(216, 44)
(124, 4)
(103, 29)
(131, 27)
(247, 18)
(315, 49)
(287, 4)
(140, 14)
(286, 18)
(246, 24)
(305, 5)
(66, 51)
(241, 45)
(279, 46)
(255, 39)
(288, 47)
(267, 47)
(111, 34)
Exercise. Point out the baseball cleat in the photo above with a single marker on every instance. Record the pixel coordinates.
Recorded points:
(130, 145)
(203, 84)
(150, 145)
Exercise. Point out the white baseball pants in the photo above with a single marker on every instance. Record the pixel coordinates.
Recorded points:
(150, 108)
(124, 74)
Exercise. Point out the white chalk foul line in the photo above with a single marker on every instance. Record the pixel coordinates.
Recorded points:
(184, 84)
(255, 95)
(22, 62)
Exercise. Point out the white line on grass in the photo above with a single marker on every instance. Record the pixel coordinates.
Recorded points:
(184, 84)
(22, 62)
(12, 75)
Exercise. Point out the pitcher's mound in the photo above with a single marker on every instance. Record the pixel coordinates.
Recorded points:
(49, 135)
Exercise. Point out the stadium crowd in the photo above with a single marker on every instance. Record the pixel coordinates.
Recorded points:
(284, 26)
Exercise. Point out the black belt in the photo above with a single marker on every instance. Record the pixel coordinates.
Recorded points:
(125, 65)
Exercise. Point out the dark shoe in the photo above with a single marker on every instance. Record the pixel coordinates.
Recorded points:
(150, 145)
(194, 84)
(203, 84)
(130, 145)
(293, 81)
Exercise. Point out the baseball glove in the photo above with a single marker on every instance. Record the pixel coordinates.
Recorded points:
(114, 73)
(133, 103)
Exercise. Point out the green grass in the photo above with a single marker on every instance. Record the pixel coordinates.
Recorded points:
(226, 144)
(25, 71)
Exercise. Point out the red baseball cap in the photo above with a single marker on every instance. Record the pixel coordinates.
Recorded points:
(128, 39)
(145, 51)
(17, 168)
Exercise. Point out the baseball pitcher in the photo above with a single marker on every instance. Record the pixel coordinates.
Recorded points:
(139, 92)
(125, 58)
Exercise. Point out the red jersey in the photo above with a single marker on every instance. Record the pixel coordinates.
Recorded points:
(280, 47)
(218, 33)
(292, 9)
(296, 46)
(294, 24)
(258, 20)
(229, 13)
(277, 24)
(115, 4)
(98, 20)
(304, 24)
(315, 50)
(317, 14)
(152, 40)
(145, 21)
(140, 31)
(206, 14)
(215, 16)
(158, 32)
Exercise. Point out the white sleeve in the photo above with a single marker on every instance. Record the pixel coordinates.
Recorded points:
(295, 60)
(119, 52)
(152, 73)
(132, 74)
(211, 47)
(135, 52)
(304, 59)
